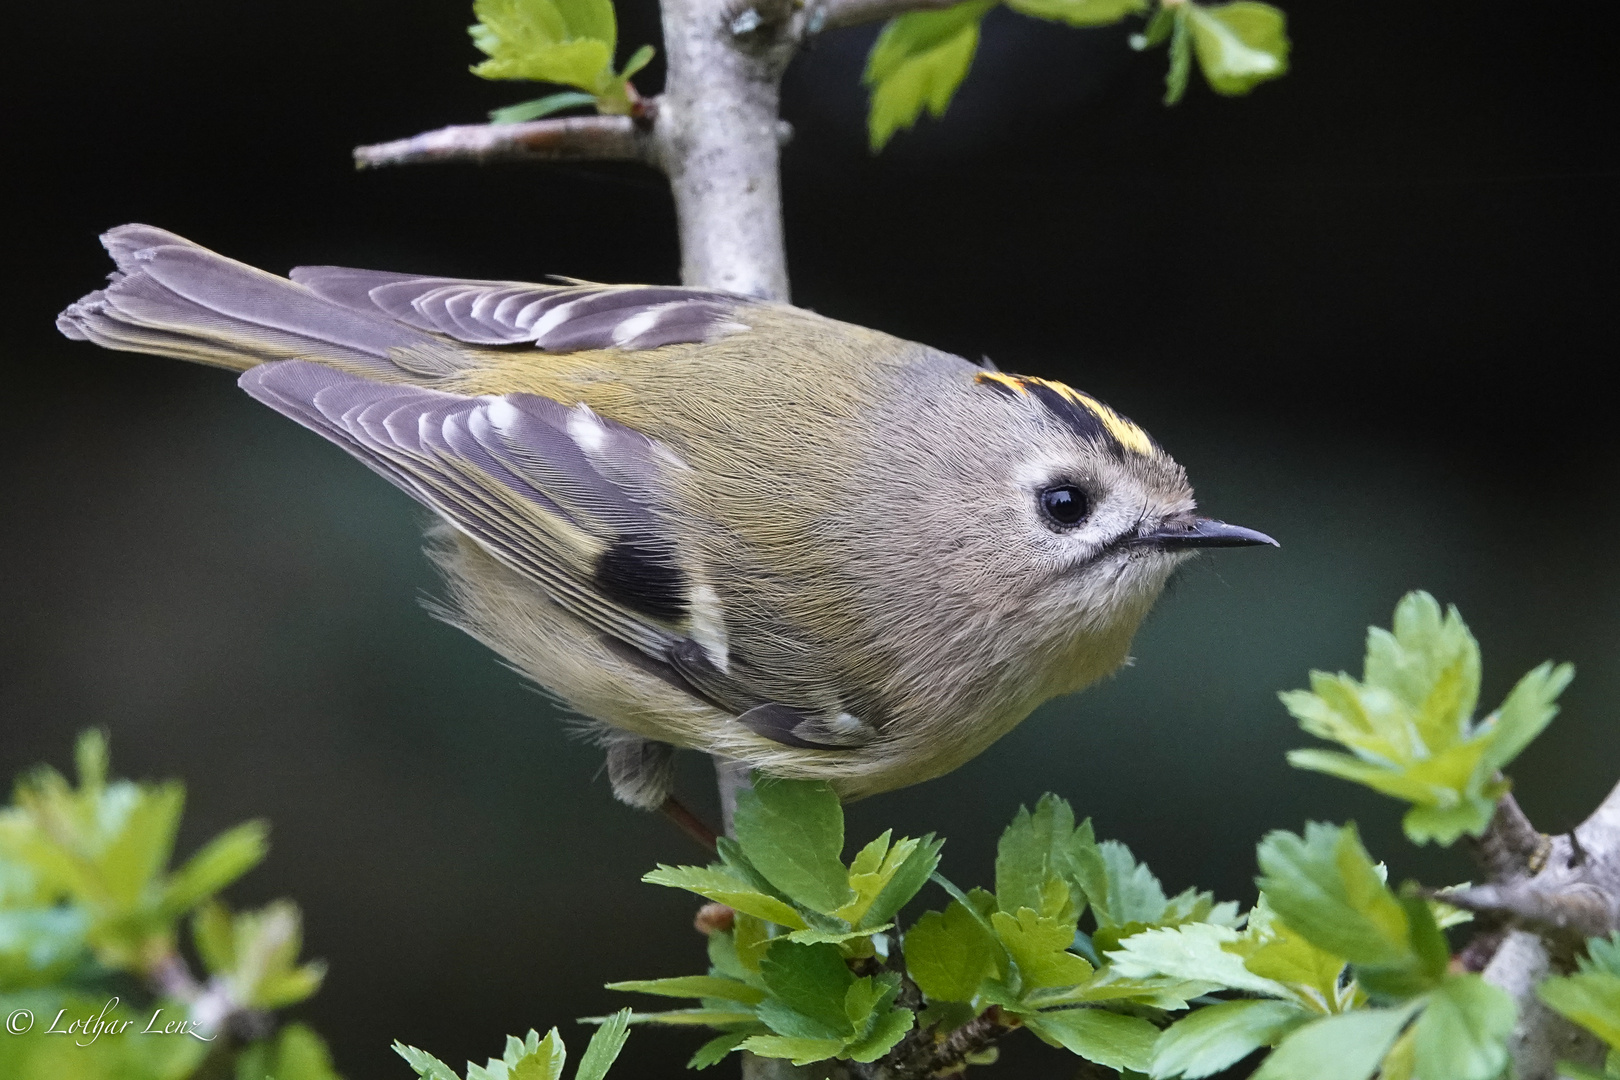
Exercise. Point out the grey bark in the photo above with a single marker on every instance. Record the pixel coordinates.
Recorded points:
(1554, 892)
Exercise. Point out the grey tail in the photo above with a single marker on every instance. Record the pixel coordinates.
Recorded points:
(173, 298)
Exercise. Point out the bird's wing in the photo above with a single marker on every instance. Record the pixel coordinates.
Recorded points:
(572, 501)
(565, 317)
(172, 297)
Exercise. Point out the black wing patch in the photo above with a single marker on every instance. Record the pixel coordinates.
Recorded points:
(549, 491)
(556, 318)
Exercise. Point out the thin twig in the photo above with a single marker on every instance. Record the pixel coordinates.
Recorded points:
(836, 14)
(566, 138)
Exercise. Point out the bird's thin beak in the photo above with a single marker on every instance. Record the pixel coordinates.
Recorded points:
(1202, 532)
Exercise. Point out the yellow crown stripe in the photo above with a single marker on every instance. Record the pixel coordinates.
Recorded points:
(1124, 432)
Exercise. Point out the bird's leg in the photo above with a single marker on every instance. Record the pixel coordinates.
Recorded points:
(688, 822)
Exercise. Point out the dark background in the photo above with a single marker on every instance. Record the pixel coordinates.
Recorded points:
(1368, 308)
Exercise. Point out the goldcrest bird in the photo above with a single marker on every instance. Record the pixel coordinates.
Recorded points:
(703, 520)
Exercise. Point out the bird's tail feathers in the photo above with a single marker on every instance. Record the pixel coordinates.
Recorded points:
(175, 298)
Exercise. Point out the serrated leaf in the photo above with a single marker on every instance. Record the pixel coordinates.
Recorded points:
(799, 1051)
(1079, 12)
(917, 62)
(1525, 713)
(1043, 846)
(425, 1064)
(1588, 998)
(141, 850)
(1193, 953)
(1037, 944)
(1131, 894)
(1271, 949)
(886, 1033)
(1347, 1046)
(604, 1047)
(724, 888)
(948, 954)
(218, 863)
(1463, 1033)
(693, 986)
(1325, 886)
(1408, 723)
(811, 980)
(715, 1050)
(1119, 1042)
(905, 882)
(792, 831)
(560, 41)
(1219, 1036)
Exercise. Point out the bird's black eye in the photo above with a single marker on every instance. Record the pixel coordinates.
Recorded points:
(1064, 503)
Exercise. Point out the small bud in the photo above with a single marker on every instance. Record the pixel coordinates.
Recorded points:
(714, 918)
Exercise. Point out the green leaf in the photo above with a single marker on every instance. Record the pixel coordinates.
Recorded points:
(810, 980)
(1176, 76)
(694, 986)
(1079, 12)
(1588, 998)
(799, 1051)
(886, 1033)
(604, 1047)
(1271, 949)
(917, 62)
(792, 831)
(715, 1050)
(638, 60)
(532, 1058)
(718, 1018)
(296, 1053)
(1463, 1033)
(904, 882)
(721, 886)
(425, 1064)
(141, 850)
(1119, 1042)
(221, 861)
(560, 41)
(542, 106)
(1602, 955)
(1219, 1036)
(1325, 886)
(1525, 713)
(1348, 1046)
(948, 954)
(1408, 725)
(1039, 847)
(1131, 893)
(1193, 953)
(1038, 944)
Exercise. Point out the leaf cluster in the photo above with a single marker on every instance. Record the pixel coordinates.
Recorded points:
(1409, 727)
(921, 57)
(89, 901)
(567, 42)
(1591, 998)
(780, 982)
(531, 1058)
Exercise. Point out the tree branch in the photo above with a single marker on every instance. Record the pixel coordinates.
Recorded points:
(1554, 892)
(1511, 846)
(566, 138)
